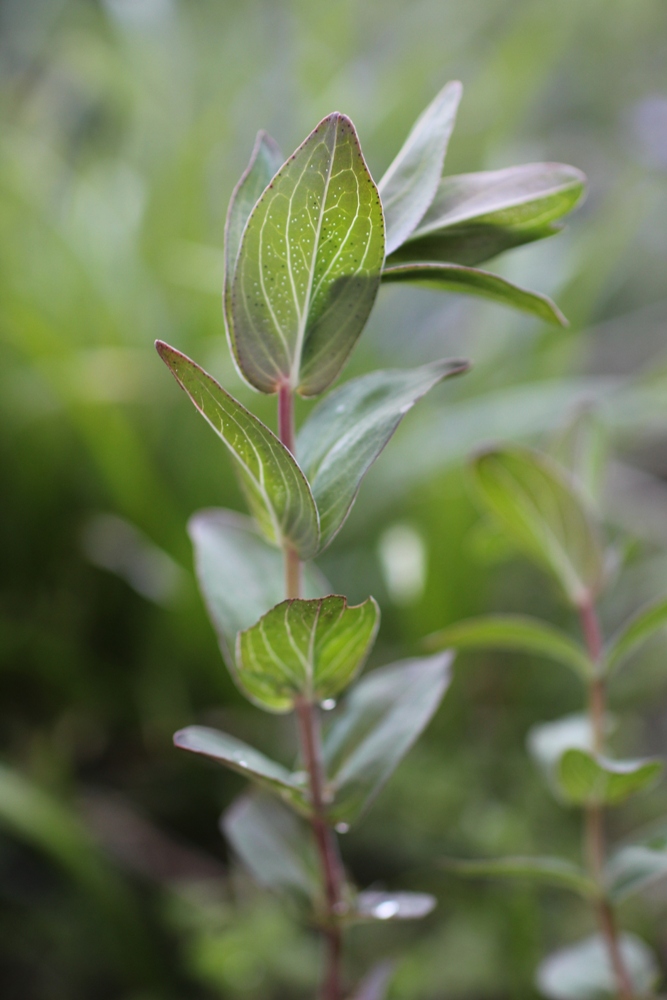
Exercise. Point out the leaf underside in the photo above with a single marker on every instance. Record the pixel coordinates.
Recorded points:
(584, 972)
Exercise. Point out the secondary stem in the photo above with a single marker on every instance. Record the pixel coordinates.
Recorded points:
(311, 750)
(594, 818)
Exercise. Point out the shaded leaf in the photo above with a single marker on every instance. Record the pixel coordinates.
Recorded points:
(582, 447)
(382, 717)
(472, 281)
(638, 630)
(584, 971)
(371, 906)
(374, 986)
(347, 431)
(240, 575)
(308, 267)
(551, 871)
(585, 777)
(541, 510)
(245, 760)
(275, 487)
(411, 181)
(469, 244)
(274, 844)
(516, 632)
(307, 649)
(632, 869)
(548, 742)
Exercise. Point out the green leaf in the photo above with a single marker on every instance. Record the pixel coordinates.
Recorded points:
(370, 906)
(548, 742)
(275, 487)
(632, 869)
(587, 778)
(516, 632)
(582, 447)
(307, 649)
(551, 871)
(634, 633)
(411, 181)
(382, 717)
(472, 281)
(240, 575)
(476, 216)
(245, 760)
(275, 845)
(265, 160)
(347, 431)
(584, 970)
(542, 512)
(308, 268)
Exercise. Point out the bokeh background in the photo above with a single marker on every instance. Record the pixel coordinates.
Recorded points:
(125, 124)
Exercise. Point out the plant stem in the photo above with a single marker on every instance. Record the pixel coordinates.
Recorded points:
(310, 740)
(595, 846)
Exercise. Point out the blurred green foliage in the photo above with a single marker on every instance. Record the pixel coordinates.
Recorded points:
(125, 124)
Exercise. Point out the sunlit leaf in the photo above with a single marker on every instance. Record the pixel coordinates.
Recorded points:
(371, 905)
(550, 871)
(541, 510)
(585, 777)
(634, 633)
(632, 869)
(307, 649)
(308, 266)
(472, 281)
(275, 487)
(274, 844)
(411, 181)
(382, 717)
(348, 430)
(265, 160)
(240, 575)
(245, 760)
(515, 632)
(584, 970)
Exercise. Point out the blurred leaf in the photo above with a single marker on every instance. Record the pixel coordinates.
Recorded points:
(584, 971)
(274, 844)
(551, 871)
(541, 510)
(632, 869)
(240, 575)
(348, 430)
(588, 778)
(245, 760)
(581, 447)
(472, 281)
(476, 216)
(374, 986)
(308, 268)
(371, 906)
(645, 623)
(411, 180)
(382, 717)
(275, 487)
(307, 649)
(548, 742)
(516, 632)
(265, 160)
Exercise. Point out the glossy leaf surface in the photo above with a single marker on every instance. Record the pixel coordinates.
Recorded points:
(305, 648)
(634, 633)
(514, 632)
(542, 512)
(472, 281)
(550, 871)
(275, 487)
(348, 430)
(411, 181)
(274, 844)
(631, 869)
(240, 575)
(382, 717)
(371, 906)
(309, 263)
(588, 778)
(245, 760)
(584, 971)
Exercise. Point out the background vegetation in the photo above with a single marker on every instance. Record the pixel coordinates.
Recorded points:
(125, 125)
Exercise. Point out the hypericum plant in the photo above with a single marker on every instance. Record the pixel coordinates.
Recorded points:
(307, 245)
(547, 513)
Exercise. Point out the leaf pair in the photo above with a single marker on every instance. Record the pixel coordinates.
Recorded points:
(337, 445)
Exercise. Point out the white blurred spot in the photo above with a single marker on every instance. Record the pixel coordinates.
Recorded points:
(403, 560)
(139, 13)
